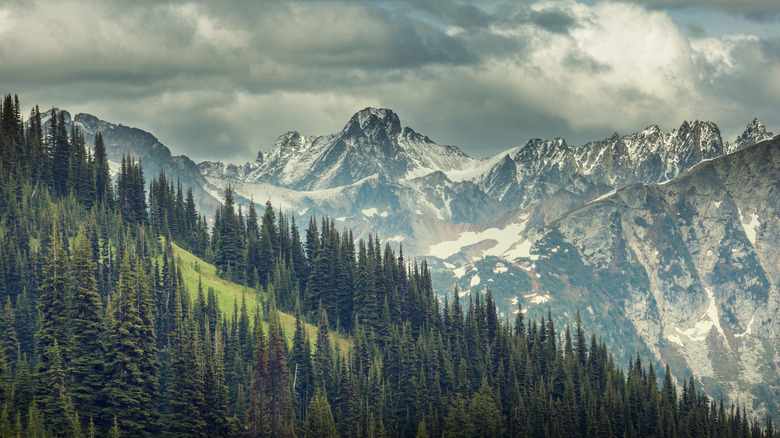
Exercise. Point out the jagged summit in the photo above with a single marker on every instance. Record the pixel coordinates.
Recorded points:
(372, 142)
(755, 132)
(371, 119)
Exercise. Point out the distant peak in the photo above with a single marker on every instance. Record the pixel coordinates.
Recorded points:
(651, 130)
(373, 119)
(754, 132)
(756, 126)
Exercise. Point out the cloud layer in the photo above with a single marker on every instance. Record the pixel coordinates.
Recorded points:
(222, 83)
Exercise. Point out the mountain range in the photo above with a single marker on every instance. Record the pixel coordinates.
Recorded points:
(664, 242)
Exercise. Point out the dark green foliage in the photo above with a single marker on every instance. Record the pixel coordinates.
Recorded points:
(131, 193)
(227, 240)
(86, 323)
(319, 421)
(118, 347)
(127, 373)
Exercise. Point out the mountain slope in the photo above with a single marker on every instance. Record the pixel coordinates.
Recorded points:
(194, 270)
(688, 270)
(154, 156)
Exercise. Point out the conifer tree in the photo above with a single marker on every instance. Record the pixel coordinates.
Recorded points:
(54, 403)
(278, 385)
(319, 420)
(301, 365)
(103, 188)
(9, 343)
(258, 412)
(215, 389)
(60, 150)
(323, 359)
(185, 395)
(87, 360)
(53, 306)
(125, 377)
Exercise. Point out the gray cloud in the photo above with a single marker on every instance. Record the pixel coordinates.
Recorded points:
(553, 20)
(218, 82)
(756, 10)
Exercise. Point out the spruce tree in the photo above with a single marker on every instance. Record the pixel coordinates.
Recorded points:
(125, 377)
(87, 356)
(319, 420)
(185, 395)
(54, 403)
(53, 306)
(323, 359)
(258, 412)
(278, 385)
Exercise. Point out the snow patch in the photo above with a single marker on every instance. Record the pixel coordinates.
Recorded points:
(537, 299)
(460, 272)
(504, 238)
(383, 214)
(751, 228)
(590, 309)
(369, 212)
(398, 238)
(717, 204)
(749, 329)
(521, 250)
(341, 219)
(706, 322)
(114, 168)
(474, 280)
(449, 265)
(500, 268)
(676, 339)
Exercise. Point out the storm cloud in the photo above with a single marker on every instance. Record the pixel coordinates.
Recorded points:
(222, 81)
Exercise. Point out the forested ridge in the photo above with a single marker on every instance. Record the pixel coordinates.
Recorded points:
(100, 336)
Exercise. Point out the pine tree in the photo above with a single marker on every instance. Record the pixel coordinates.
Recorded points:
(301, 365)
(103, 187)
(60, 147)
(54, 403)
(323, 359)
(185, 395)
(126, 380)
(53, 307)
(319, 421)
(87, 356)
(9, 341)
(278, 385)
(215, 390)
(258, 412)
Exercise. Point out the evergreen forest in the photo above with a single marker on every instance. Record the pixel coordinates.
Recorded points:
(101, 333)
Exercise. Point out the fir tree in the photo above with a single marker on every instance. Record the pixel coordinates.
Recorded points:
(319, 420)
(87, 360)
(125, 378)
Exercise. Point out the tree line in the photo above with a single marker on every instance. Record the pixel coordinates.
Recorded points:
(101, 337)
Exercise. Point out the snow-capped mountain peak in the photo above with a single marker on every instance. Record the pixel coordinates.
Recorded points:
(755, 132)
(372, 121)
(373, 142)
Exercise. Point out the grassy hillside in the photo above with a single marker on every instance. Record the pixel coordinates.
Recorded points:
(228, 293)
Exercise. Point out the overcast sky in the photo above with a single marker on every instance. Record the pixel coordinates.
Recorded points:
(222, 80)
